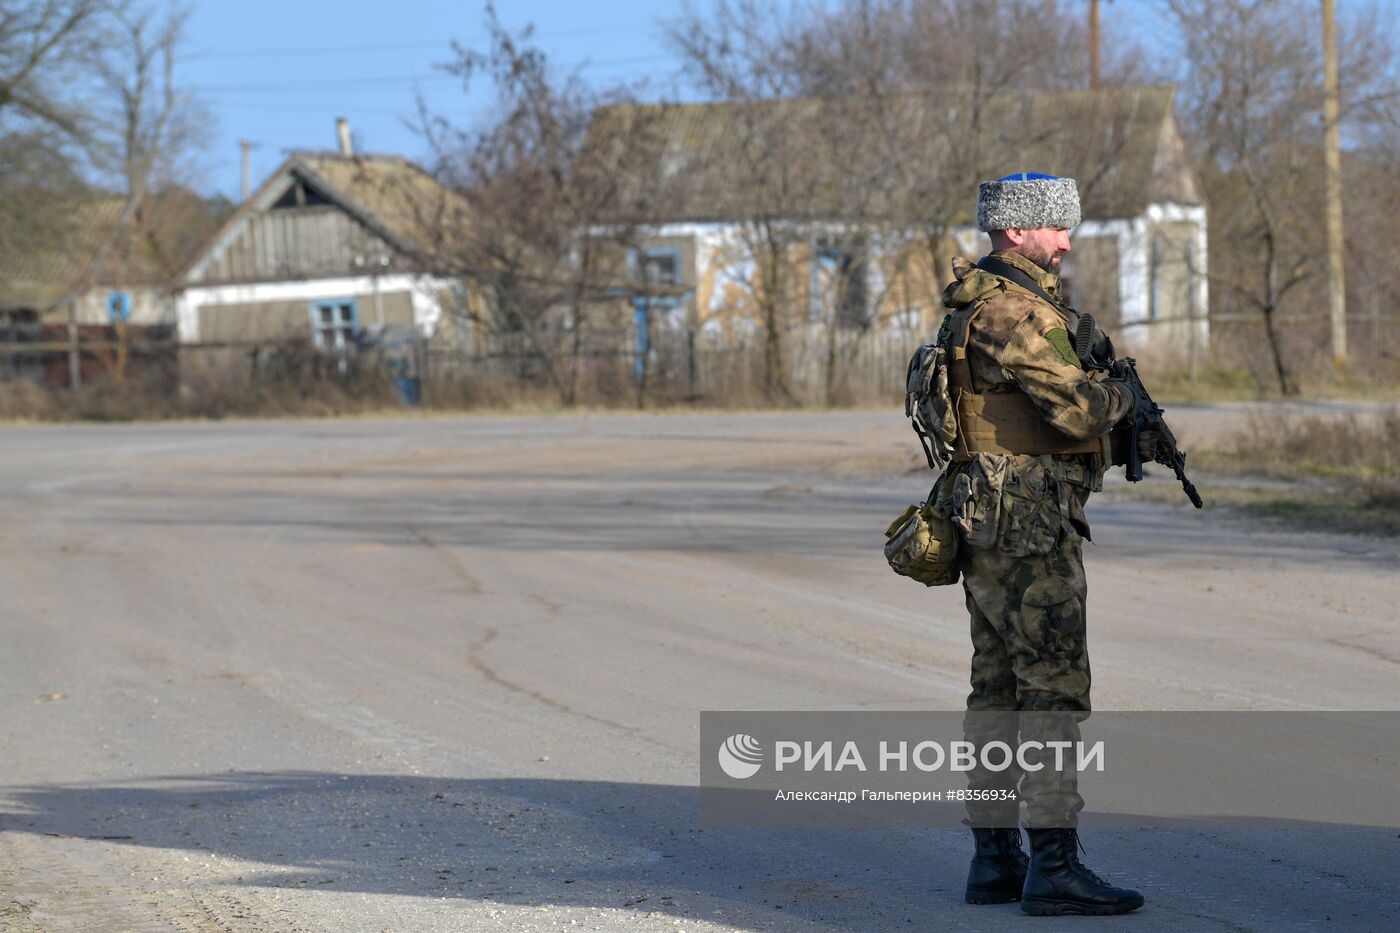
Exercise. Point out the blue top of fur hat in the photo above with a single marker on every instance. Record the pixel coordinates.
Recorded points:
(1027, 200)
(1028, 176)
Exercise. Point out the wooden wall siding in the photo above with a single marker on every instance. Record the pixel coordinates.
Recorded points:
(271, 320)
(296, 243)
(396, 308)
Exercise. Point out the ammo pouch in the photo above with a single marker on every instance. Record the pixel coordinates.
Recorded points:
(923, 545)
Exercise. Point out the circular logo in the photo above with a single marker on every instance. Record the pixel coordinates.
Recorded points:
(741, 756)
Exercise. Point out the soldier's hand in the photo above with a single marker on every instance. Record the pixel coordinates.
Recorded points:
(1125, 392)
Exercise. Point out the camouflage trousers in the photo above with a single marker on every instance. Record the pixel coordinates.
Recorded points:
(1029, 654)
(1028, 647)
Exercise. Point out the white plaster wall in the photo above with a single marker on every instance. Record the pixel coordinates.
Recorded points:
(1134, 270)
(1130, 236)
(147, 307)
(424, 292)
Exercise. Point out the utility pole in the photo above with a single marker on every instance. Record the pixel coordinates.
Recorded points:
(1093, 43)
(1331, 115)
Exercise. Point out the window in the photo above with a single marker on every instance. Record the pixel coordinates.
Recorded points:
(119, 306)
(335, 324)
(659, 299)
(659, 266)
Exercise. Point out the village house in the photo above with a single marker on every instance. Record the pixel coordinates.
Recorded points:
(92, 277)
(51, 277)
(329, 249)
(732, 171)
(93, 262)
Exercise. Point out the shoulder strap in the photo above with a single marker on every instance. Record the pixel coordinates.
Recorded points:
(1004, 269)
(959, 371)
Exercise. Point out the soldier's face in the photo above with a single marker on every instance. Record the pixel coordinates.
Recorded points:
(1044, 246)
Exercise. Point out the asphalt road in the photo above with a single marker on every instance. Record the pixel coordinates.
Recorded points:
(445, 674)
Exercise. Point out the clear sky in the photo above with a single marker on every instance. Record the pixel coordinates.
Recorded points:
(279, 73)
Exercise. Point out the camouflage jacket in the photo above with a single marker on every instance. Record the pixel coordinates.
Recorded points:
(1021, 504)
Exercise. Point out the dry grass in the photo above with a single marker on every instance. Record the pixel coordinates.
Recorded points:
(1343, 471)
(1352, 448)
(1171, 384)
(289, 383)
(1236, 367)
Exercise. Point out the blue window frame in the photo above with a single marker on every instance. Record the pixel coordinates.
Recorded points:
(119, 306)
(335, 324)
(658, 265)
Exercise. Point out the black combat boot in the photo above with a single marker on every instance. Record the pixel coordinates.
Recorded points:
(1058, 883)
(998, 869)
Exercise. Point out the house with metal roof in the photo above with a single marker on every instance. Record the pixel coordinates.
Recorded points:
(1138, 261)
(328, 249)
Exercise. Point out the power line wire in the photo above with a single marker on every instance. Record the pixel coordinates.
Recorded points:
(338, 83)
(264, 107)
(316, 84)
(439, 42)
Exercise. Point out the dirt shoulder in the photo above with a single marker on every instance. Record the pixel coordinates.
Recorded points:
(1310, 504)
(1335, 470)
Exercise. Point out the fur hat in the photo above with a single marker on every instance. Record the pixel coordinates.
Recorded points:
(1029, 200)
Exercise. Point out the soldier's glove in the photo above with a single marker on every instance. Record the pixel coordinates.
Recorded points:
(1124, 391)
(1147, 444)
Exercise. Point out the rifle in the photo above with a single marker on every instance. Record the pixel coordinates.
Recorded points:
(1149, 418)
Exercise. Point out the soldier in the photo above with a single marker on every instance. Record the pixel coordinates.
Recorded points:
(1031, 447)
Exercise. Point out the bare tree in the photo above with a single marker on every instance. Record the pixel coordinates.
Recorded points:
(1372, 188)
(737, 52)
(544, 218)
(44, 47)
(89, 104)
(1252, 105)
(150, 127)
(143, 130)
(40, 42)
(904, 106)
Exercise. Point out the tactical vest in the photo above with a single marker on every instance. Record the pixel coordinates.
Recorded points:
(1005, 422)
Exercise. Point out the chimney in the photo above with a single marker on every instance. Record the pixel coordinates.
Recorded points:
(342, 134)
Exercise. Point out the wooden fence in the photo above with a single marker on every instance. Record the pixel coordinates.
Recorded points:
(603, 368)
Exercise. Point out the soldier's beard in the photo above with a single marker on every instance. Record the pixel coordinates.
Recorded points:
(1047, 259)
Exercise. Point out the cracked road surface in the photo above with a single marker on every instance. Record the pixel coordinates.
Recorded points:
(444, 674)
